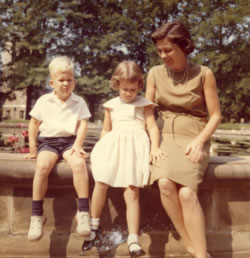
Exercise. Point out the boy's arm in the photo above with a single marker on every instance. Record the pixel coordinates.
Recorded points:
(154, 134)
(80, 136)
(107, 125)
(33, 132)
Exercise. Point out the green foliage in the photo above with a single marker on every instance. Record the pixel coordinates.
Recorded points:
(99, 34)
(234, 126)
(29, 32)
(222, 40)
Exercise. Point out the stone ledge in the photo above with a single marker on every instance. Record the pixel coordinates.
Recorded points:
(224, 196)
(19, 170)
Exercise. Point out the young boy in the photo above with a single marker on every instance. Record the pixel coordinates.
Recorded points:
(61, 118)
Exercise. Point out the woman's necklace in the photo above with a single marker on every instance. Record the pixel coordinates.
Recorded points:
(183, 78)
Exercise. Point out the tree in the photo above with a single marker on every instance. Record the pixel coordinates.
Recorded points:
(103, 33)
(30, 31)
(222, 43)
(99, 34)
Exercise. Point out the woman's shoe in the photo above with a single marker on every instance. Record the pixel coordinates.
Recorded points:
(136, 253)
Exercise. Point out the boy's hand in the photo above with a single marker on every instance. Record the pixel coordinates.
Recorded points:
(156, 154)
(30, 156)
(79, 151)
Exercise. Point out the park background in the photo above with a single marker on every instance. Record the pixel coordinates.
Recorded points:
(98, 34)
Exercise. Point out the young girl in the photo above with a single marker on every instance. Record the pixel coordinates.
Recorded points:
(122, 156)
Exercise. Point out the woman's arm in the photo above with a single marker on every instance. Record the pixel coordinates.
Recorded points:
(194, 150)
(213, 106)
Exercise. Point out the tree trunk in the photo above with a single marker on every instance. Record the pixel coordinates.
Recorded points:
(91, 103)
(28, 101)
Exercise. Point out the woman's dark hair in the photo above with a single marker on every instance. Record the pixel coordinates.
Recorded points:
(177, 33)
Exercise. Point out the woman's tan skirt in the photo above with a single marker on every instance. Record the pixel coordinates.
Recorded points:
(177, 131)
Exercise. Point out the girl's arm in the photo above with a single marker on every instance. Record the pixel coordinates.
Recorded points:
(150, 87)
(107, 125)
(195, 149)
(33, 132)
(154, 134)
(80, 136)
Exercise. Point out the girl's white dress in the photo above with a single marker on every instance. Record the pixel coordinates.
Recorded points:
(121, 157)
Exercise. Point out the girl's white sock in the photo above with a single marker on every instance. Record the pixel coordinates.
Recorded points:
(133, 238)
(94, 225)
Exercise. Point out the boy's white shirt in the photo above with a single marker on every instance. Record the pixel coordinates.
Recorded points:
(59, 119)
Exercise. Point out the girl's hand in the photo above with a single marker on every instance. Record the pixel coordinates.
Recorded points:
(79, 151)
(156, 154)
(194, 151)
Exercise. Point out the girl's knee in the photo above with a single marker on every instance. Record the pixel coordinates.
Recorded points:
(99, 186)
(166, 186)
(131, 194)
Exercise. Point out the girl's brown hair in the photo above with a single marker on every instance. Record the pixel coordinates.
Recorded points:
(177, 33)
(127, 70)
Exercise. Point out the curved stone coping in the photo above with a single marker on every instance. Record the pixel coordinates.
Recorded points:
(14, 168)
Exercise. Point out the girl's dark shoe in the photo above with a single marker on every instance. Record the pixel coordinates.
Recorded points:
(136, 253)
(88, 244)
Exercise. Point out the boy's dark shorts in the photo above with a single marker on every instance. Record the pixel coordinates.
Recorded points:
(57, 145)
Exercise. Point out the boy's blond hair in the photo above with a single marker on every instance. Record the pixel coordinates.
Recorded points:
(127, 70)
(61, 64)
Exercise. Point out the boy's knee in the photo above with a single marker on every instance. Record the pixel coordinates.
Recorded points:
(42, 169)
(79, 164)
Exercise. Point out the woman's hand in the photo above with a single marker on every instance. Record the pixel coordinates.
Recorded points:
(194, 151)
(156, 154)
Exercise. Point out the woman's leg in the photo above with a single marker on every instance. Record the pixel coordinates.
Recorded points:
(194, 220)
(171, 203)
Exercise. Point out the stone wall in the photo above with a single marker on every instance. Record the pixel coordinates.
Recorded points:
(225, 198)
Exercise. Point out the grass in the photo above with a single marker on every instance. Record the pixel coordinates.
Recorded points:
(15, 121)
(235, 126)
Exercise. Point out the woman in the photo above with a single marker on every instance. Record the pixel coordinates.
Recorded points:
(186, 98)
